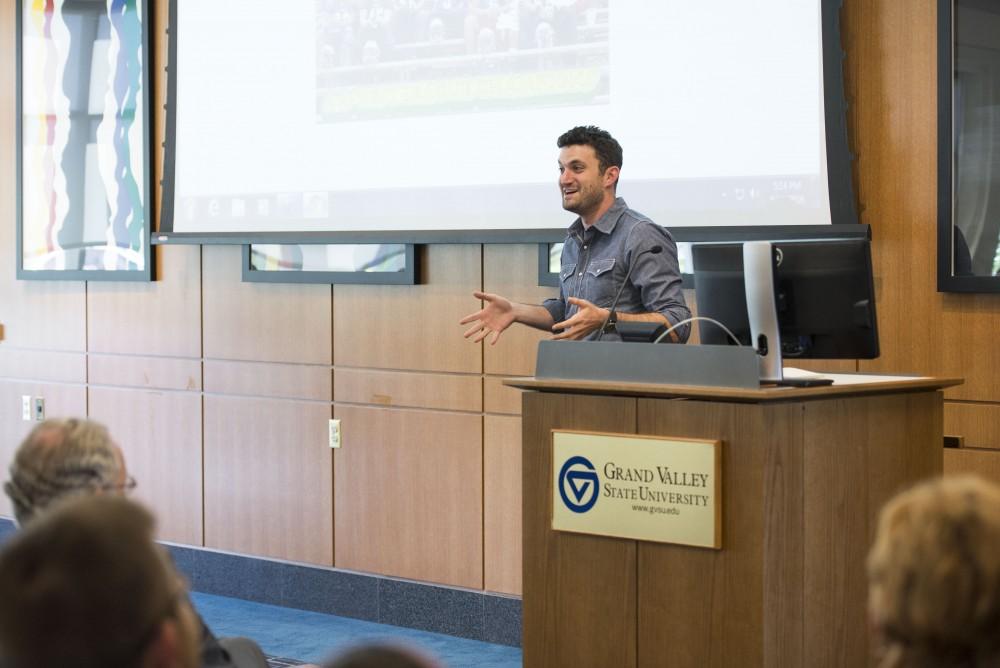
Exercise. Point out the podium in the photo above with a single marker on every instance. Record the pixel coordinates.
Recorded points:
(804, 474)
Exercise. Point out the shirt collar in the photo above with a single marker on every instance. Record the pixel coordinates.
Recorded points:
(606, 223)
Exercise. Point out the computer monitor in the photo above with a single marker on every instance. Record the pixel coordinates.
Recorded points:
(823, 295)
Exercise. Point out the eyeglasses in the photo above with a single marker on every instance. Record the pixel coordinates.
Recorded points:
(126, 487)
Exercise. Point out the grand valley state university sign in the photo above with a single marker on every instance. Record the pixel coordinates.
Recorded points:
(666, 490)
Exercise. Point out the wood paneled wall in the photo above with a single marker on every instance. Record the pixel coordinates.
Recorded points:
(219, 391)
(891, 78)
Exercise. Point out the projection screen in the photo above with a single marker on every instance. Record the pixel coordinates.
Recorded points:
(438, 119)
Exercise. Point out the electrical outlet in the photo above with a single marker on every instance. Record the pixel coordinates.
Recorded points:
(334, 433)
(26, 407)
(39, 409)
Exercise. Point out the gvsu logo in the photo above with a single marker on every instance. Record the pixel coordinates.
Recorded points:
(578, 484)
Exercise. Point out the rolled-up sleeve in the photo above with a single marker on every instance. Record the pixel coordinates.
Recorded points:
(556, 307)
(567, 264)
(657, 277)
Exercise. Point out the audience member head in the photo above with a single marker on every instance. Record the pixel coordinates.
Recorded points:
(382, 656)
(934, 575)
(606, 148)
(61, 458)
(84, 585)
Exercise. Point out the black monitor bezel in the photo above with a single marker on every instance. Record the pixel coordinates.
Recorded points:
(847, 347)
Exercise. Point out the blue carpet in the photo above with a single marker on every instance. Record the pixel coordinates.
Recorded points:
(313, 636)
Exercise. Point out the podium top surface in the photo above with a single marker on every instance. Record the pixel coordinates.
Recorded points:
(845, 385)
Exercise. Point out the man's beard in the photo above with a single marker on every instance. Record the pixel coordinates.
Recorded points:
(587, 199)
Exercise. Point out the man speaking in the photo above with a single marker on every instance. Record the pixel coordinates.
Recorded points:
(616, 266)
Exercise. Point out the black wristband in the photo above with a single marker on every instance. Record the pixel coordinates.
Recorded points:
(612, 321)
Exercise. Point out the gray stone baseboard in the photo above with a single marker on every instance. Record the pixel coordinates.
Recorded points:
(477, 615)
(494, 618)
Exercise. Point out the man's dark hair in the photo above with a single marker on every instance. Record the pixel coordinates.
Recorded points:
(607, 148)
(84, 586)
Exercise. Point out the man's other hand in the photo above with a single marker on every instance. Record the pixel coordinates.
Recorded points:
(587, 319)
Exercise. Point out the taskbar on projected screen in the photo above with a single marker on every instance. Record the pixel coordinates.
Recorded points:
(767, 200)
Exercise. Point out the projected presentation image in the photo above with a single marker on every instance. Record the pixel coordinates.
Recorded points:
(393, 58)
(438, 117)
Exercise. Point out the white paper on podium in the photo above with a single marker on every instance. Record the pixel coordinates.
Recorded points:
(845, 378)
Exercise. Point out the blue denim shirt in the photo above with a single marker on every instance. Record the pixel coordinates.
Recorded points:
(594, 263)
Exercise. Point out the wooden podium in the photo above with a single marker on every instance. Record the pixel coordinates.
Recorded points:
(804, 473)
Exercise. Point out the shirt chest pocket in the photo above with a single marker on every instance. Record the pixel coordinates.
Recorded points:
(599, 283)
(567, 271)
(595, 283)
(596, 268)
(601, 268)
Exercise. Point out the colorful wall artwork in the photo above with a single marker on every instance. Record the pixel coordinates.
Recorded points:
(83, 150)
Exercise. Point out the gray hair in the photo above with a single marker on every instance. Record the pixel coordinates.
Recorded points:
(60, 458)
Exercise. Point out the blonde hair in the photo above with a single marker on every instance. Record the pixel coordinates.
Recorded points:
(61, 457)
(934, 575)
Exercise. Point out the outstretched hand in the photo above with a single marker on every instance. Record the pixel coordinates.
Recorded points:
(588, 318)
(496, 315)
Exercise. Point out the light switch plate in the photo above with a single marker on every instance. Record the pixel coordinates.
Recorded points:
(39, 409)
(26, 407)
(334, 433)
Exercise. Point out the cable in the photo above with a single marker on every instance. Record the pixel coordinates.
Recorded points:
(700, 317)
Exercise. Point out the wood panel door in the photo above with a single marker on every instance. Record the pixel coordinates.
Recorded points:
(409, 494)
(269, 478)
(159, 432)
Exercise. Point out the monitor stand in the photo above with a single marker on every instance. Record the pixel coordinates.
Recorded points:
(762, 311)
